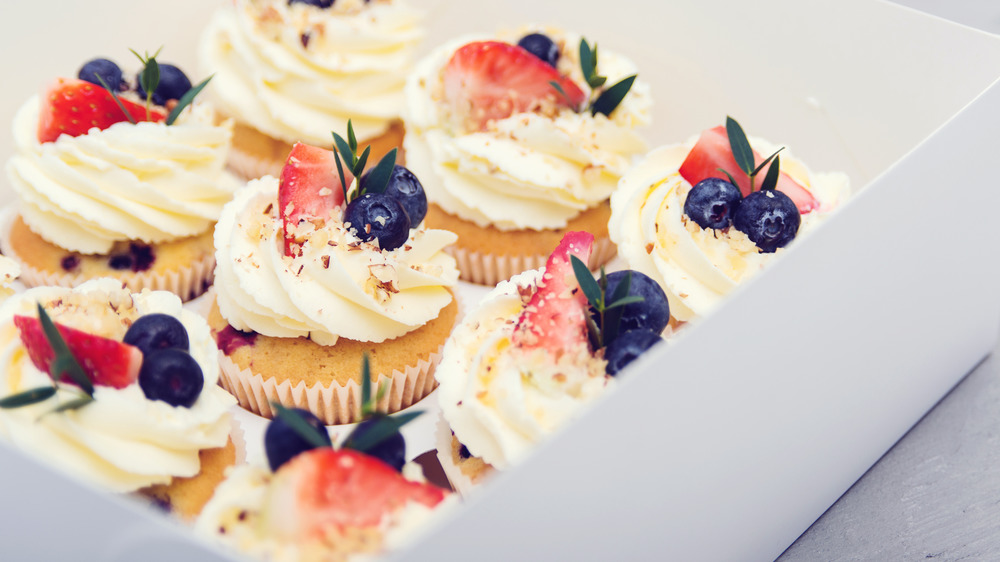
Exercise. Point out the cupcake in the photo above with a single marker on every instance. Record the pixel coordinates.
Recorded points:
(519, 144)
(124, 185)
(318, 503)
(308, 284)
(692, 218)
(290, 71)
(142, 412)
(524, 362)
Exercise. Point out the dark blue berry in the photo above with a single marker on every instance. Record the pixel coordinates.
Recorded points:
(627, 347)
(712, 203)
(317, 3)
(173, 84)
(282, 443)
(541, 46)
(171, 375)
(107, 70)
(157, 331)
(769, 219)
(377, 216)
(652, 314)
(391, 450)
(120, 261)
(70, 262)
(407, 189)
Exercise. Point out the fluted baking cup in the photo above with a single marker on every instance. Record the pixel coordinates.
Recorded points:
(490, 269)
(332, 403)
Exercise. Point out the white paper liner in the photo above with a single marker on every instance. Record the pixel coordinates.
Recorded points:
(462, 483)
(490, 269)
(187, 283)
(332, 403)
(250, 166)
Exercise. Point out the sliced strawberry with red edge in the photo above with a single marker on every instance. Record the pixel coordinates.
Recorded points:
(325, 489)
(309, 189)
(107, 362)
(73, 107)
(492, 80)
(556, 316)
(712, 151)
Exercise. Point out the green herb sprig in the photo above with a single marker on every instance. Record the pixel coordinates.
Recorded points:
(378, 177)
(743, 154)
(300, 426)
(186, 100)
(609, 309)
(114, 96)
(149, 79)
(64, 364)
(608, 99)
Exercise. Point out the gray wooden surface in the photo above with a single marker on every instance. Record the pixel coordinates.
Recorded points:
(936, 494)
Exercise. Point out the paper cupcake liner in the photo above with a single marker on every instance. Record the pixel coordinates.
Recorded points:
(490, 269)
(461, 482)
(239, 439)
(332, 403)
(251, 166)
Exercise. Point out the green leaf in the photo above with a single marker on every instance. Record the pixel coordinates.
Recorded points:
(594, 332)
(360, 166)
(114, 96)
(64, 362)
(586, 280)
(586, 60)
(351, 139)
(624, 301)
(186, 100)
(740, 146)
(381, 429)
(299, 425)
(366, 385)
(613, 316)
(340, 171)
(28, 397)
(345, 151)
(764, 163)
(612, 97)
(73, 404)
(378, 177)
(732, 180)
(771, 179)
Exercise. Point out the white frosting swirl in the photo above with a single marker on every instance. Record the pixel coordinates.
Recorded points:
(528, 170)
(697, 267)
(338, 287)
(148, 181)
(122, 440)
(351, 66)
(501, 400)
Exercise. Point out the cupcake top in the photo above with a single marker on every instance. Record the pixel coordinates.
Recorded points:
(695, 265)
(86, 177)
(123, 438)
(298, 70)
(9, 270)
(285, 274)
(506, 148)
(322, 505)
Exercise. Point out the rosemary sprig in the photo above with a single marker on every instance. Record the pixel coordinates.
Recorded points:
(149, 78)
(743, 154)
(299, 425)
(609, 309)
(114, 96)
(610, 98)
(377, 179)
(186, 100)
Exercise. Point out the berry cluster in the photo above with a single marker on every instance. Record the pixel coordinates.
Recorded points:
(769, 218)
(173, 83)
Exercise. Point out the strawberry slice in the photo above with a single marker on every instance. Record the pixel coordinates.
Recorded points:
(309, 189)
(556, 316)
(107, 362)
(73, 107)
(712, 151)
(325, 490)
(492, 80)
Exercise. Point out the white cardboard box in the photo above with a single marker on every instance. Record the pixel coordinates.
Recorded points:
(728, 444)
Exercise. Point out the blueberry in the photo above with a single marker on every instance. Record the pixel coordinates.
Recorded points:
(712, 203)
(391, 450)
(317, 3)
(106, 69)
(769, 219)
(282, 443)
(407, 189)
(377, 216)
(171, 375)
(173, 84)
(120, 261)
(652, 314)
(70, 262)
(540, 46)
(627, 347)
(157, 331)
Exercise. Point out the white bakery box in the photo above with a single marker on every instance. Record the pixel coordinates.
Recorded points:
(729, 443)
